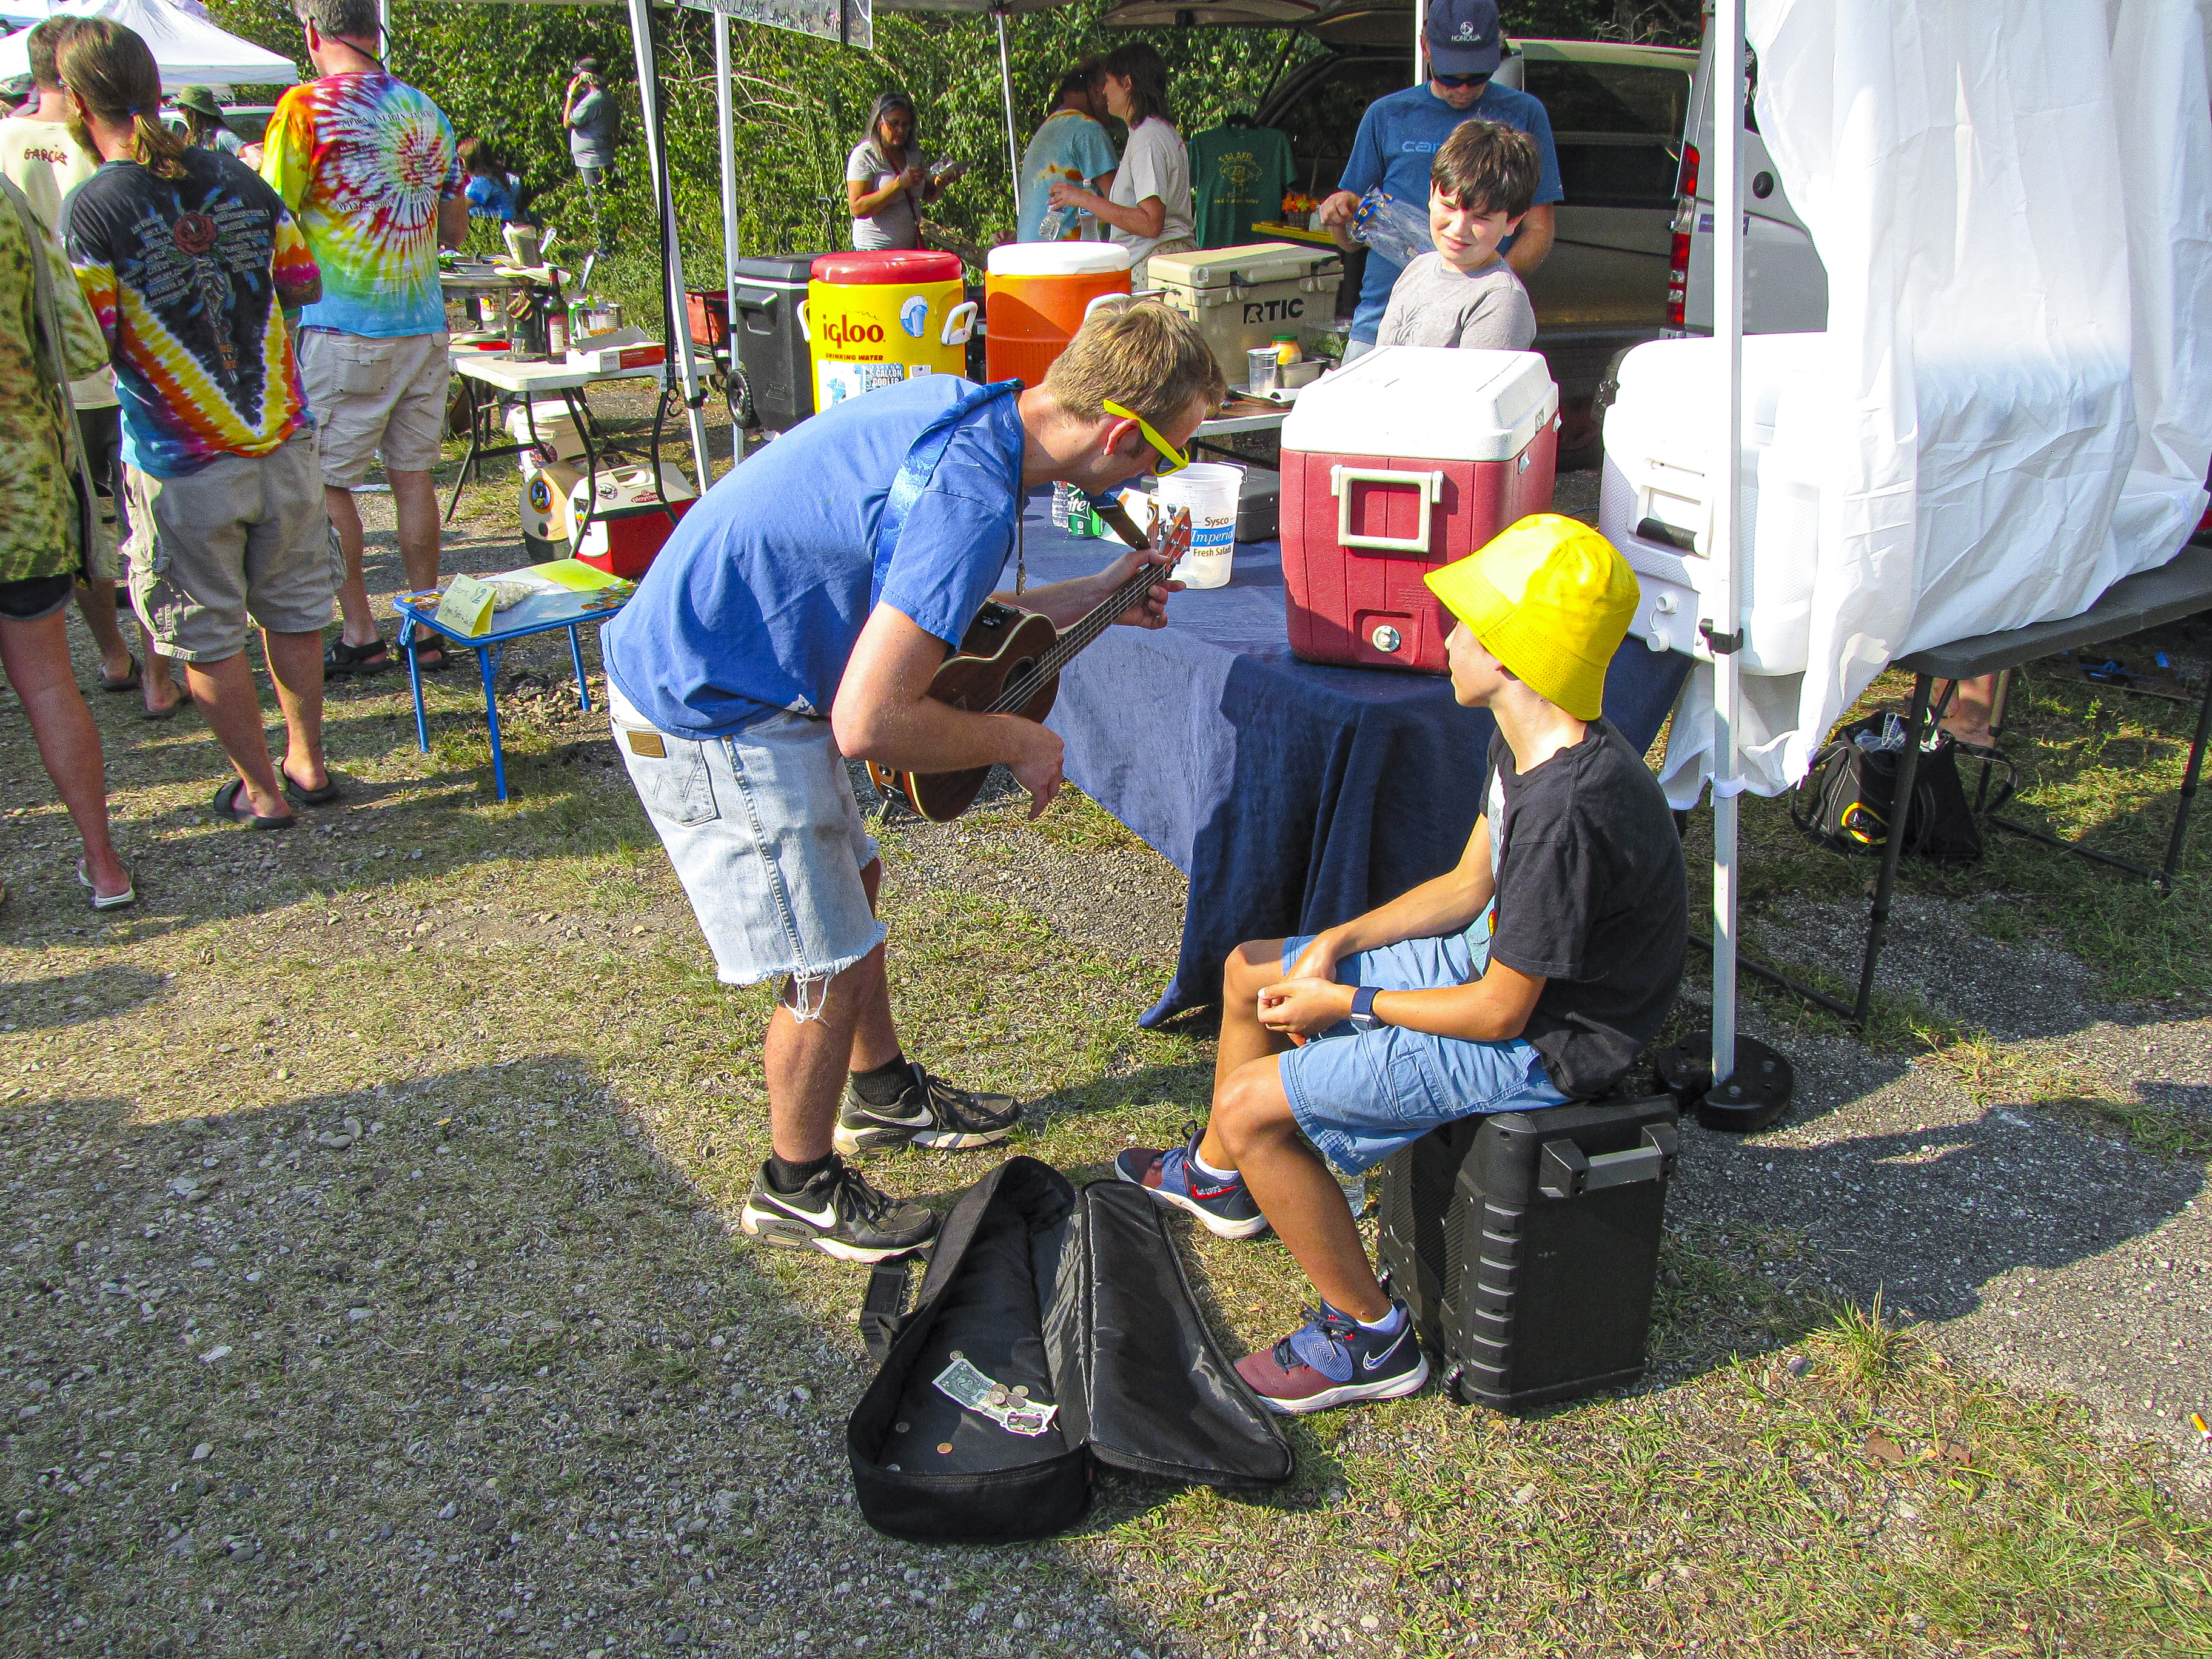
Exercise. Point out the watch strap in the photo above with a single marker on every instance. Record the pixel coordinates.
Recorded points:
(1362, 1004)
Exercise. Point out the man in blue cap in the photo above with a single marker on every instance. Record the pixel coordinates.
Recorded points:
(1399, 136)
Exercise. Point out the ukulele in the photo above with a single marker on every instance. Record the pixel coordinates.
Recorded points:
(1009, 663)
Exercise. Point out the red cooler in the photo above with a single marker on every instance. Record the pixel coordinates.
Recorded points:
(1412, 457)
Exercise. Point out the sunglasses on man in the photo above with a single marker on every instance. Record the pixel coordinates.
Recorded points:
(1458, 81)
(1170, 459)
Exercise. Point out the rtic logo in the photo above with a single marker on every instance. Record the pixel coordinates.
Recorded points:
(1273, 311)
(843, 330)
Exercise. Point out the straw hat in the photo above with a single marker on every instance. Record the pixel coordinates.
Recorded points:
(1551, 599)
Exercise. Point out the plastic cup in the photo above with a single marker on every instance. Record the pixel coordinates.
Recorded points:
(1262, 369)
(1209, 490)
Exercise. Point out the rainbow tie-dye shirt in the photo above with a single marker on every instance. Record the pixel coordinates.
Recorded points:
(189, 277)
(364, 160)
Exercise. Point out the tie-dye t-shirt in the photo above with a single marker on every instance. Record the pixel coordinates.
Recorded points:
(364, 160)
(189, 277)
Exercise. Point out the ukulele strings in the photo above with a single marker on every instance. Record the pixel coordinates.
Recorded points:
(1063, 650)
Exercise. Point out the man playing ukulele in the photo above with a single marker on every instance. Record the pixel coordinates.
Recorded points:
(796, 617)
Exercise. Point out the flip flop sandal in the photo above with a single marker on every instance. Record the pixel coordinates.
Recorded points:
(225, 803)
(122, 901)
(128, 683)
(168, 714)
(302, 796)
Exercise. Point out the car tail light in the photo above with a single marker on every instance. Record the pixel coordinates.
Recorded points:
(1678, 280)
(1686, 180)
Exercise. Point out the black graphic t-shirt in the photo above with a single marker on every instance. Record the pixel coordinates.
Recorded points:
(189, 277)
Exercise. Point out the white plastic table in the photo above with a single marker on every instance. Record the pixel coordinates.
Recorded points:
(529, 380)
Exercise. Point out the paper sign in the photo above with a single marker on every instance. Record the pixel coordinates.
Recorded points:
(574, 575)
(467, 606)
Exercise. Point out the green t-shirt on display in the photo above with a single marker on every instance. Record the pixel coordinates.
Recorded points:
(1237, 174)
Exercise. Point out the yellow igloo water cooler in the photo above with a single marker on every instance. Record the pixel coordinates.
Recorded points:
(876, 319)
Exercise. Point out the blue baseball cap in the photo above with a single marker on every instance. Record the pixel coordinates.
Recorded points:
(1464, 37)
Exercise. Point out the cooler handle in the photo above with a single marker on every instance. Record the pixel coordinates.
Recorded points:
(959, 324)
(1111, 302)
(1431, 486)
(806, 333)
(1566, 1171)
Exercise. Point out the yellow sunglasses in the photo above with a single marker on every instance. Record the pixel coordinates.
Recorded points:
(1171, 459)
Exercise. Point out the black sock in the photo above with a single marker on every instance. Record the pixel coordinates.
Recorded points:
(786, 1177)
(883, 1085)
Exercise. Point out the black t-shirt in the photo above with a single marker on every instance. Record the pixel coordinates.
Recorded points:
(1591, 895)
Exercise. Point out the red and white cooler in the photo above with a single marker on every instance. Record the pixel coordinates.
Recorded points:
(1412, 457)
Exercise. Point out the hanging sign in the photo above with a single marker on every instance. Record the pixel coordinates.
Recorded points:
(850, 21)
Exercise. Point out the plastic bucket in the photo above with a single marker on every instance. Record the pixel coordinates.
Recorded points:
(875, 318)
(1036, 295)
(1209, 490)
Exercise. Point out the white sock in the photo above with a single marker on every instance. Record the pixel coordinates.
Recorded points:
(1390, 1321)
(1209, 1171)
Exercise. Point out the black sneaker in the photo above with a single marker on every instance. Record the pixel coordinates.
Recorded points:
(932, 1113)
(837, 1213)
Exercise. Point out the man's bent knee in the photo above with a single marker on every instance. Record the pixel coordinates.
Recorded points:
(1250, 1106)
(1252, 966)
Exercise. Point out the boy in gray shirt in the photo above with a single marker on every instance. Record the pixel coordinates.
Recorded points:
(1464, 293)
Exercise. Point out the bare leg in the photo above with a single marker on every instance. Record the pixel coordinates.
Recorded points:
(156, 683)
(95, 602)
(295, 662)
(875, 1041)
(1293, 1188)
(415, 506)
(231, 704)
(1251, 968)
(1972, 705)
(806, 1060)
(36, 655)
(357, 620)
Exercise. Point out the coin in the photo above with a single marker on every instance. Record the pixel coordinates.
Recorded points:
(998, 1396)
(902, 1427)
(1021, 1392)
(944, 1447)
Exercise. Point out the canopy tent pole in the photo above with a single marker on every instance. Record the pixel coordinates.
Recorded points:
(726, 132)
(1725, 588)
(684, 360)
(1006, 89)
(1420, 22)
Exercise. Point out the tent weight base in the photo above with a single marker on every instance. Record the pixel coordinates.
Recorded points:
(1753, 1097)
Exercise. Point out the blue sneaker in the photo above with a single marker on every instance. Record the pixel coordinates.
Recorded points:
(1224, 1207)
(1335, 1360)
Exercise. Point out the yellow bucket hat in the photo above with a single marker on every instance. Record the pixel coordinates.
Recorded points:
(1551, 599)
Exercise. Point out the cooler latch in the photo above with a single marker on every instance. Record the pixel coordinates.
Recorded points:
(1430, 486)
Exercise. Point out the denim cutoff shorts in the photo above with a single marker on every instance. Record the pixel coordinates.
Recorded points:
(1361, 1095)
(766, 838)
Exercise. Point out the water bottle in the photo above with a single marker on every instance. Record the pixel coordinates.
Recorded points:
(1396, 230)
(1086, 226)
(1055, 222)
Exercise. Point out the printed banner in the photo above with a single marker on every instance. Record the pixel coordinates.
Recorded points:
(851, 22)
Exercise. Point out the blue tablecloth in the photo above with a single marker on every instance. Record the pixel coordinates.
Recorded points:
(1293, 796)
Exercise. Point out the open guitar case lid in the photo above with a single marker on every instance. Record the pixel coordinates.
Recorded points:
(1078, 1298)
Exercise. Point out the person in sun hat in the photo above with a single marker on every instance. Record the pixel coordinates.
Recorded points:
(1531, 974)
(203, 122)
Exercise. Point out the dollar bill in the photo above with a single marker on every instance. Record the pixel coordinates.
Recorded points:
(962, 1382)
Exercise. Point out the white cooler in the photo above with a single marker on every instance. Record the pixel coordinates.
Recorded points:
(1656, 499)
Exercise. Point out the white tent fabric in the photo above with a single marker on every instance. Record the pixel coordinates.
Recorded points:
(188, 48)
(2015, 207)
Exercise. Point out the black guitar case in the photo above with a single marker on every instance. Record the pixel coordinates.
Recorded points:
(1078, 1299)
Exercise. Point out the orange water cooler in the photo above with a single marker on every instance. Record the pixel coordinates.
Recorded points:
(1036, 296)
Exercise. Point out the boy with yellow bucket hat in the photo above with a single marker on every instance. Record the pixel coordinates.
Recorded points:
(1531, 974)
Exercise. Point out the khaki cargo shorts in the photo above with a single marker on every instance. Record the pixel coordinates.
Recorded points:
(370, 395)
(243, 536)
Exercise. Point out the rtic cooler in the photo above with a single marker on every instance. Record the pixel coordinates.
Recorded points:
(876, 319)
(1243, 297)
(1412, 457)
(1526, 1245)
(1035, 296)
(771, 351)
(1655, 502)
(623, 519)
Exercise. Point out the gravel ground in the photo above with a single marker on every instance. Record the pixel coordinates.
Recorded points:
(443, 1357)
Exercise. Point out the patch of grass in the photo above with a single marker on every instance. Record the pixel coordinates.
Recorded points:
(2159, 1130)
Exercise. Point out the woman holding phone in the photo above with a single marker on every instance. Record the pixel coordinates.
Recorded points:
(889, 181)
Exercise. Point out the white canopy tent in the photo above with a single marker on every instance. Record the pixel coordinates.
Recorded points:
(189, 49)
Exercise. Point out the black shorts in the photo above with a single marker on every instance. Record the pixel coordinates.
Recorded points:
(35, 598)
(101, 431)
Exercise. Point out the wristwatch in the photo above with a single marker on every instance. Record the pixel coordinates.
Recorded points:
(1362, 1008)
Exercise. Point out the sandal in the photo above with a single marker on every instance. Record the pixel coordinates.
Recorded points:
(339, 658)
(122, 901)
(302, 796)
(429, 652)
(225, 803)
(168, 714)
(128, 683)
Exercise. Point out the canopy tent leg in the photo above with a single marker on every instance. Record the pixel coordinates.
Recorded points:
(1007, 90)
(682, 358)
(726, 132)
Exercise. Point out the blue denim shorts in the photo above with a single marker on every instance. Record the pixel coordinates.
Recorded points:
(1361, 1095)
(766, 838)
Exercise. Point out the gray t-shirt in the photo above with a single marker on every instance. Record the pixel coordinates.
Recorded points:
(592, 130)
(1434, 305)
(897, 224)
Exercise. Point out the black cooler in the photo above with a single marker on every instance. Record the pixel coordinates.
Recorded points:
(771, 351)
(1527, 1245)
